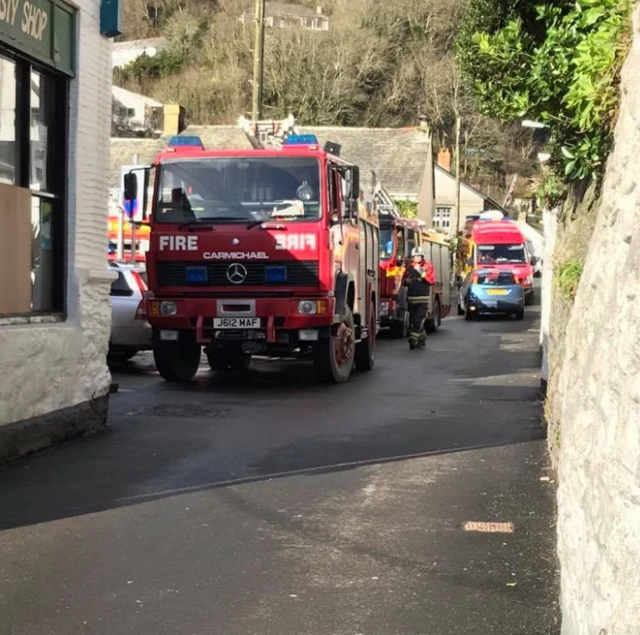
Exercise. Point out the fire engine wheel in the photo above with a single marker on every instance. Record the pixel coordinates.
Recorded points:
(400, 328)
(433, 326)
(366, 349)
(177, 361)
(334, 357)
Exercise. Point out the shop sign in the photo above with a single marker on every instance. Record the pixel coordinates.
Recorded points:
(43, 29)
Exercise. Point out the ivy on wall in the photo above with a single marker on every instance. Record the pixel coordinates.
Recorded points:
(556, 63)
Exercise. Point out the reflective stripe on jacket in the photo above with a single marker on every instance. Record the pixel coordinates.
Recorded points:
(418, 280)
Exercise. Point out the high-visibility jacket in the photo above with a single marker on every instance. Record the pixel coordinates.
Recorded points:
(418, 279)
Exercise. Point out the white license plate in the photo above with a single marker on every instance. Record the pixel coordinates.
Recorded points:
(169, 336)
(236, 323)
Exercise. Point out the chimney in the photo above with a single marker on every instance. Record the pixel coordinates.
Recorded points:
(173, 120)
(444, 159)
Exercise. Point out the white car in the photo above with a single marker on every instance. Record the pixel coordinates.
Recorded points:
(130, 331)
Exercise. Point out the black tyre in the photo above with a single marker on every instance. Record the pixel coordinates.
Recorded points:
(177, 361)
(529, 299)
(400, 328)
(519, 315)
(468, 315)
(121, 356)
(433, 325)
(335, 356)
(366, 349)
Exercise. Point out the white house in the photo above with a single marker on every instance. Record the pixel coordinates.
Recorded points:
(125, 52)
(54, 284)
(279, 15)
(472, 201)
(140, 113)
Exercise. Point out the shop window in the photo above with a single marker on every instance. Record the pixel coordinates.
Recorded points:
(33, 152)
(8, 146)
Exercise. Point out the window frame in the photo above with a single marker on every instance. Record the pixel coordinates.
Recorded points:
(57, 162)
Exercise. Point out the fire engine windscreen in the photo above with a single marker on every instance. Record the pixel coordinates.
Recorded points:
(386, 243)
(238, 189)
(497, 254)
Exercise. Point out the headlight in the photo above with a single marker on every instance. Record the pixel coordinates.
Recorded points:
(384, 308)
(312, 307)
(167, 307)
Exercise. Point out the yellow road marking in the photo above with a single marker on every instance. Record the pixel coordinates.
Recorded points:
(496, 528)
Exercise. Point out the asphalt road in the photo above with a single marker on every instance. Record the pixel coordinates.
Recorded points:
(270, 505)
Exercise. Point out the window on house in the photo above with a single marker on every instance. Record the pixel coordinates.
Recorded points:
(442, 219)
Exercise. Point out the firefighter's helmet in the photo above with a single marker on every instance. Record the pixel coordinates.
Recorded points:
(417, 251)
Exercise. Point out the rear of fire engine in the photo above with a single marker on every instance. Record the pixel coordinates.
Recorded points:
(260, 252)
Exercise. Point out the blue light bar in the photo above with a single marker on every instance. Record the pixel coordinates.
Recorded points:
(186, 141)
(301, 140)
(275, 274)
(196, 275)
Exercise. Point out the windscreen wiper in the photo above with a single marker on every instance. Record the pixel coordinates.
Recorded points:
(266, 220)
(206, 220)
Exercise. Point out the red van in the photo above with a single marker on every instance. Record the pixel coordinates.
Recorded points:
(500, 244)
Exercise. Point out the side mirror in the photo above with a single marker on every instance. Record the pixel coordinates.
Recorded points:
(352, 179)
(147, 174)
(130, 186)
(355, 183)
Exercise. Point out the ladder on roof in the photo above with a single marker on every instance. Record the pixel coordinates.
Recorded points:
(384, 202)
(268, 133)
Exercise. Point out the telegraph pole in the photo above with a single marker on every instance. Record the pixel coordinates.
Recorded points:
(258, 60)
(457, 221)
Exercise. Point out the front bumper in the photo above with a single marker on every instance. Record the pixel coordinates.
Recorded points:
(486, 305)
(279, 317)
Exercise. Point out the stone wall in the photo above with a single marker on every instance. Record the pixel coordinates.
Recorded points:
(573, 229)
(46, 367)
(598, 402)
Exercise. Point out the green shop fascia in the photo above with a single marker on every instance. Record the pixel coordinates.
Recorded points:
(43, 30)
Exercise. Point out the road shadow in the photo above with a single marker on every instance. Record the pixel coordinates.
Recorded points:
(475, 386)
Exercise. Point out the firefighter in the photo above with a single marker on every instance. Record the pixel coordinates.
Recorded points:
(418, 277)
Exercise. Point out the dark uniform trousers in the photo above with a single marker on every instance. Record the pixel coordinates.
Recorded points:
(418, 307)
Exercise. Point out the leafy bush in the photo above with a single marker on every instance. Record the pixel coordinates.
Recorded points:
(556, 63)
(567, 278)
(407, 209)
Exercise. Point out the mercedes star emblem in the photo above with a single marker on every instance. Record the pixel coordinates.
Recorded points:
(235, 241)
(236, 273)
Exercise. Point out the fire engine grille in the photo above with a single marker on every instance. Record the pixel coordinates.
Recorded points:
(300, 273)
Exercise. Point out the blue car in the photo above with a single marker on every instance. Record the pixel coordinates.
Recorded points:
(491, 291)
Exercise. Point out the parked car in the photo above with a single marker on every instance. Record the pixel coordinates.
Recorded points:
(130, 331)
(491, 291)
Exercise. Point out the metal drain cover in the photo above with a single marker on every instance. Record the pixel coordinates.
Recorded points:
(180, 411)
(495, 400)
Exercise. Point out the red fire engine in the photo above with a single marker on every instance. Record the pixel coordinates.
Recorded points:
(398, 236)
(267, 251)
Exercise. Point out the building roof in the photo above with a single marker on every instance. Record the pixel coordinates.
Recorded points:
(397, 155)
(129, 98)
(132, 45)
(492, 202)
(287, 10)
